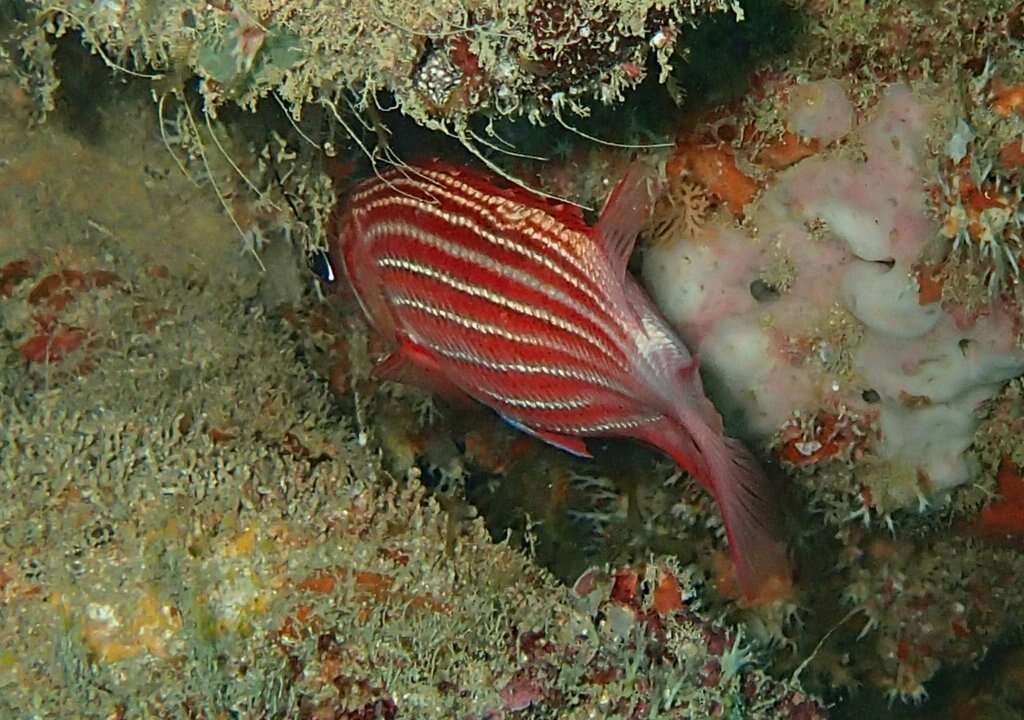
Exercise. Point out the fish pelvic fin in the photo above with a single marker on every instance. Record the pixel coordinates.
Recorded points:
(626, 210)
(750, 506)
(572, 445)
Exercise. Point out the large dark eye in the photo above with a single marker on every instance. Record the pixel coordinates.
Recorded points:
(320, 263)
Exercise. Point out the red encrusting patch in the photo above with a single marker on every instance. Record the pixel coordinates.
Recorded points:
(788, 150)
(714, 167)
(1004, 517)
(13, 274)
(56, 337)
(60, 288)
(465, 59)
(625, 587)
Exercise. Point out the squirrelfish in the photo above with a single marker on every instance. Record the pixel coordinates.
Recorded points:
(502, 295)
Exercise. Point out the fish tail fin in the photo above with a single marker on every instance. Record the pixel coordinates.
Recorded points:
(750, 505)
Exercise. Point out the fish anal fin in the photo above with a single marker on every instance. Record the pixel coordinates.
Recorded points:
(570, 444)
(626, 210)
(573, 445)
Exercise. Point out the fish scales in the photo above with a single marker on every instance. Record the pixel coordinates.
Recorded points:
(485, 291)
(508, 239)
(518, 303)
(499, 254)
(579, 276)
(481, 294)
(461, 270)
(559, 248)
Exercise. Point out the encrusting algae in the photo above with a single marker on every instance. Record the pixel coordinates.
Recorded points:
(195, 525)
(244, 528)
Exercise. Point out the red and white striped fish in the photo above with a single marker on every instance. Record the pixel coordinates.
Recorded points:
(515, 301)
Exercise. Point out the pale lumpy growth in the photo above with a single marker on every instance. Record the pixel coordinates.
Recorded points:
(844, 330)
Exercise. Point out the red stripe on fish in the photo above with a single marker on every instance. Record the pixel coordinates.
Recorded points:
(518, 303)
(442, 277)
(530, 250)
(581, 374)
(521, 229)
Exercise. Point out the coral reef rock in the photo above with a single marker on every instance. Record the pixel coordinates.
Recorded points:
(440, 62)
(815, 317)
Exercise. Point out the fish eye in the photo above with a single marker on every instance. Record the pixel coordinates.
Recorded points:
(320, 263)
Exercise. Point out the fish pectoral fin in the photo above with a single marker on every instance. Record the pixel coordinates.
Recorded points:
(411, 364)
(568, 443)
(627, 209)
(401, 366)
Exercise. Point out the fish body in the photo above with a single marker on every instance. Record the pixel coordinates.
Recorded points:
(517, 302)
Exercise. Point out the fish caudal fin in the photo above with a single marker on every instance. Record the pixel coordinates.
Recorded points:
(750, 510)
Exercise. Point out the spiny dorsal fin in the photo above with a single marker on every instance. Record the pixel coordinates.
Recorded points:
(626, 210)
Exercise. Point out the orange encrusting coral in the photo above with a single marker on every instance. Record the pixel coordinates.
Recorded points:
(714, 167)
(788, 150)
(1011, 155)
(832, 436)
(773, 590)
(494, 450)
(372, 585)
(974, 200)
(112, 634)
(668, 595)
(1007, 99)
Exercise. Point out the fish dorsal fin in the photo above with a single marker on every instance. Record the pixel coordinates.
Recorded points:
(626, 210)
(570, 444)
